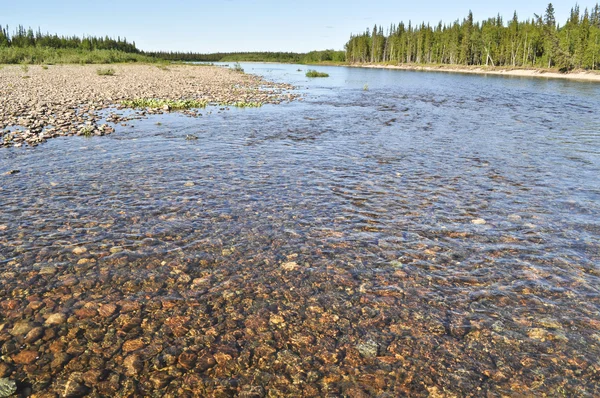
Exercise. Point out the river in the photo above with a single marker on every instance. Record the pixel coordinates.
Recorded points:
(392, 233)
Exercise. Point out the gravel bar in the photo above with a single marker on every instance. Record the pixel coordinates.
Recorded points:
(43, 102)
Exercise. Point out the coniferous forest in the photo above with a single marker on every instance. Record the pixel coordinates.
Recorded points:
(284, 57)
(538, 42)
(23, 38)
(26, 46)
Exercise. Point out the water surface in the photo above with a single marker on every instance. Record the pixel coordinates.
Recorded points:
(392, 233)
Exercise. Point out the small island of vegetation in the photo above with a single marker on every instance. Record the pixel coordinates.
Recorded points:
(314, 73)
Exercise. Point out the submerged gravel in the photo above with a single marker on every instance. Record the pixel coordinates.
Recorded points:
(39, 103)
(387, 242)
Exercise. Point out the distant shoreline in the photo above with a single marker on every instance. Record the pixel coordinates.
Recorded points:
(579, 75)
(589, 76)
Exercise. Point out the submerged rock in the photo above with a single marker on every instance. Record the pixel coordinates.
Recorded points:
(7, 387)
(56, 319)
(289, 266)
(368, 349)
(79, 250)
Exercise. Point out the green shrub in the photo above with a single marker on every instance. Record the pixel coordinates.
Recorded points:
(314, 73)
(105, 72)
(161, 103)
(49, 56)
(243, 104)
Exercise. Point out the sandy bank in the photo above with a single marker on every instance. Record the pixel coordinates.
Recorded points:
(579, 75)
(39, 103)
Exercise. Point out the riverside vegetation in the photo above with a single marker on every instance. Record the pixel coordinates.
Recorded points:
(314, 73)
(539, 42)
(34, 47)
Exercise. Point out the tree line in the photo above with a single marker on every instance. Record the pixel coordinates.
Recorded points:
(36, 45)
(284, 57)
(26, 38)
(538, 42)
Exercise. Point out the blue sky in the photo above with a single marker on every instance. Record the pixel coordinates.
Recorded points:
(261, 25)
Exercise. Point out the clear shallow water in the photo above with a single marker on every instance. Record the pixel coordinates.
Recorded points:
(326, 246)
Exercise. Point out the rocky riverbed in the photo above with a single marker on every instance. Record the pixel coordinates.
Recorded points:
(43, 102)
(412, 239)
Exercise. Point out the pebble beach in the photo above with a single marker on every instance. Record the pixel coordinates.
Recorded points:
(43, 102)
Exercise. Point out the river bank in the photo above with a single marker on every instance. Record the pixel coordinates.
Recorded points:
(43, 102)
(481, 70)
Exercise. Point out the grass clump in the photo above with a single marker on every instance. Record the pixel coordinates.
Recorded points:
(243, 104)
(87, 131)
(105, 72)
(164, 104)
(45, 67)
(314, 73)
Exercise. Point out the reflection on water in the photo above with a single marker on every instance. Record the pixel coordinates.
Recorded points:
(435, 234)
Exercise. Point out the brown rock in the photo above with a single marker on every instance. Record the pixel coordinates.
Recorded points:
(56, 319)
(21, 328)
(91, 377)
(93, 334)
(160, 380)
(133, 365)
(74, 387)
(133, 345)
(107, 310)
(128, 306)
(109, 386)
(187, 360)
(60, 360)
(222, 358)
(5, 370)
(75, 350)
(205, 362)
(34, 335)
(79, 250)
(277, 320)
(35, 305)
(25, 357)
(84, 313)
(289, 266)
